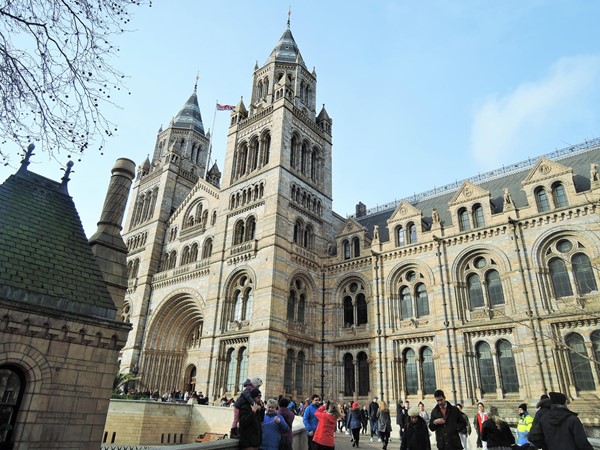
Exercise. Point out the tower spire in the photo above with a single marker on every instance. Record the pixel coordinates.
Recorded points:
(196, 84)
(289, 15)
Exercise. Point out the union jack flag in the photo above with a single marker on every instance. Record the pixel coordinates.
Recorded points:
(225, 107)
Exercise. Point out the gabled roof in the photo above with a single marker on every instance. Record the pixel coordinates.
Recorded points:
(189, 116)
(286, 50)
(579, 162)
(45, 257)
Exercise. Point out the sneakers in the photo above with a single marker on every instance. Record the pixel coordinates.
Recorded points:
(371, 439)
(347, 432)
(379, 440)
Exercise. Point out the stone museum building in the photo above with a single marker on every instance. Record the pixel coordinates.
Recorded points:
(486, 288)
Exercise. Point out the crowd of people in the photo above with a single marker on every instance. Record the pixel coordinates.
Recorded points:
(268, 425)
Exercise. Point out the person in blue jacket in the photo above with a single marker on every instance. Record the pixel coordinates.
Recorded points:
(272, 427)
(310, 420)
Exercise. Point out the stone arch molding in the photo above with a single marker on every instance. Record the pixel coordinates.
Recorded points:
(178, 315)
(500, 258)
(390, 282)
(305, 276)
(541, 243)
(33, 363)
(233, 276)
(354, 276)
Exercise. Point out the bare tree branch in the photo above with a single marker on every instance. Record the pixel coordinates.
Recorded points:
(56, 74)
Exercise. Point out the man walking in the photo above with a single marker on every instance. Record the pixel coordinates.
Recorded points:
(447, 422)
(310, 419)
(373, 410)
(402, 417)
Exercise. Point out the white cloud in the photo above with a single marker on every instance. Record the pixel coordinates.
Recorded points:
(512, 127)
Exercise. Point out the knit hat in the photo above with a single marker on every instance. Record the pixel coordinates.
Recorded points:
(256, 382)
(558, 398)
(523, 406)
(247, 382)
(413, 412)
(354, 405)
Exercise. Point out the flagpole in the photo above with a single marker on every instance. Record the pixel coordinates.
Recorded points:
(212, 132)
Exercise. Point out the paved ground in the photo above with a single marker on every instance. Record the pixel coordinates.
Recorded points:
(342, 442)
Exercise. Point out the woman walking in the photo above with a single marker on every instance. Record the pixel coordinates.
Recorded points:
(384, 423)
(496, 432)
(353, 423)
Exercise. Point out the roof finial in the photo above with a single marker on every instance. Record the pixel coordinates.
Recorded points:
(196, 85)
(65, 179)
(289, 15)
(25, 162)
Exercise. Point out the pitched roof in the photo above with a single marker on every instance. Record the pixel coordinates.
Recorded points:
(579, 161)
(286, 50)
(45, 257)
(189, 116)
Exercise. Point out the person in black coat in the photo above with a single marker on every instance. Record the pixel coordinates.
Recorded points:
(558, 428)
(402, 417)
(446, 421)
(416, 434)
(250, 420)
(496, 432)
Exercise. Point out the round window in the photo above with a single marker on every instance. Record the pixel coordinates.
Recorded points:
(564, 246)
(480, 263)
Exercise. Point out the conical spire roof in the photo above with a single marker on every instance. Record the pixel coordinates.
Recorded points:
(286, 50)
(189, 116)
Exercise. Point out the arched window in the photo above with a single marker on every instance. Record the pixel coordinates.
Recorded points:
(348, 311)
(248, 305)
(583, 273)
(237, 308)
(231, 369)
(356, 247)
(193, 252)
(250, 228)
(238, 234)
(410, 370)
(301, 308)
(508, 369)
(422, 301)
(291, 306)
(348, 374)
(300, 373)
(475, 291)
(487, 376)
(298, 232)
(559, 195)
(463, 219)
(478, 218)
(346, 247)
(242, 366)
(412, 233)
(399, 236)
(293, 151)
(288, 374)
(207, 248)
(494, 288)
(560, 278)
(580, 363)
(12, 386)
(405, 303)
(185, 256)
(361, 309)
(308, 237)
(363, 374)
(428, 371)
(541, 199)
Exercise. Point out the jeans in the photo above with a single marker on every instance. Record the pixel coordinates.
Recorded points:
(374, 427)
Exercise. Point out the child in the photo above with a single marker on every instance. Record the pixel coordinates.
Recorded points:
(244, 397)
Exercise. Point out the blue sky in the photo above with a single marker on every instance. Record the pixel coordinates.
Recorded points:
(421, 93)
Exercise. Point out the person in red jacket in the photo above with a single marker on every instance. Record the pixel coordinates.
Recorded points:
(328, 415)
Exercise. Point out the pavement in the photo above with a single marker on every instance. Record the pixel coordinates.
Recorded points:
(342, 442)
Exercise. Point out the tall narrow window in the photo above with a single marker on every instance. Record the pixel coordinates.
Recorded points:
(242, 366)
(361, 309)
(410, 370)
(406, 311)
(494, 288)
(291, 306)
(363, 374)
(346, 246)
(237, 307)
(250, 228)
(541, 199)
(348, 311)
(595, 338)
(348, 374)
(478, 219)
(463, 220)
(356, 247)
(301, 308)
(584, 273)
(580, 363)
(508, 368)
(412, 233)
(559, 195)
(288, 371)
(399, 236)
(560, 278)
(422, 301)
(475, 291)
(487, 376)
(231, 369)
(428, 371)
(299, 372)
(248, 305)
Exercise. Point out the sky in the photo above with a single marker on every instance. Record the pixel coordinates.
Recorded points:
(421, 93)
